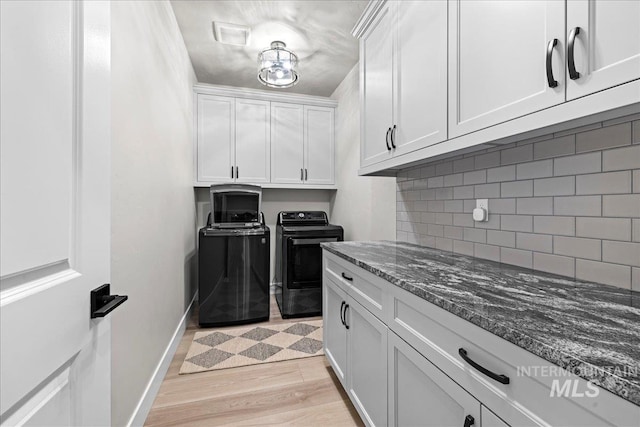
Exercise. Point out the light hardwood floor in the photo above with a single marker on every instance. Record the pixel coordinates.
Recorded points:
(300, 392)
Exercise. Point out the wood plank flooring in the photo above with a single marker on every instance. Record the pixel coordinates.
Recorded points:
(300, 392)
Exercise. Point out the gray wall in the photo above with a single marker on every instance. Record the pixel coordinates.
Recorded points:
(364, 206)
(566, 203)
(153, 213)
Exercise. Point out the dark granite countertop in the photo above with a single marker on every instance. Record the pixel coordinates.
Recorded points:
(588, 328)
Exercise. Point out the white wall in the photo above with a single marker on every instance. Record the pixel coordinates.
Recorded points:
(364, 206)
(153, 215)
(274, 201)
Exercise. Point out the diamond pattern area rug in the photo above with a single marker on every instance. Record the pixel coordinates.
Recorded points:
(231, 347)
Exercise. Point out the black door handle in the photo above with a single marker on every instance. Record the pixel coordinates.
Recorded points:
(393, 132)
(346, 325)
(237, 175)
(503, 379)
(103, 303)
(386, 139)
(306, 174)
(571, 63)
(341, 312)
(301, 174)
(469, 421)
(231, 172)
(550, 80)
(347, 277)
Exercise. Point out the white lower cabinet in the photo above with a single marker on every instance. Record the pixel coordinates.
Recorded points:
(355, 342)
(406, 362)
(422, 395)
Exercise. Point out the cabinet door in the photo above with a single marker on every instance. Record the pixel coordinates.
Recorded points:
(216, 135)
(253, 136)
(497, 60)
(489, 419)
(607, 47)
(376, 88)
(287, 123)
(421, 75)
(335, 333)
(421, 394)
(367, 363)
(318, 145)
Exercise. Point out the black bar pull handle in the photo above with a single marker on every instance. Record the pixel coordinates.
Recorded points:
(342, 312)
(231, 172)
(301, 174)
(469, 421)
(386, 139)
(571, 63)
(503, 379)
(306, 174)
(344, 276)
(346, 325)
(393, 132)
(550, 80)
(103, 303)
(237, 173)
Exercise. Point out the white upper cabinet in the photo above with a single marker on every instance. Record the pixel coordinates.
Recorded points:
(215, 138)
(376, 88)
(498, 53)
(253, 136)
(287, 136)
(319, 145)
(421, 75)
(403, 64)
(606, 45)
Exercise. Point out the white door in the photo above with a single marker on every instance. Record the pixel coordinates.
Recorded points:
(319, 150)
(216, 138)
(335, 332)
(607, 46)
(55, 362)
(421, 75)
(421, 394)
(376, 88)
(287, 140)
(497, 60)
(367, 363)
(253, 136)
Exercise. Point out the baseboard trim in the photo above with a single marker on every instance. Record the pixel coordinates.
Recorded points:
(141, 412)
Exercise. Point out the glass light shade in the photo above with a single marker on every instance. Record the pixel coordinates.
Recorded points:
(278, 66)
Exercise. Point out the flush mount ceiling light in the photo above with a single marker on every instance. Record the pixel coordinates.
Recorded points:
(278, 66)
(237, 35)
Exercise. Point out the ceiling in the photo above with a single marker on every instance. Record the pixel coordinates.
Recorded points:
(319, 32)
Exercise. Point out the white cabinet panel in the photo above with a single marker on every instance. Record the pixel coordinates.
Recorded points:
(216, 135)
(607, 47)
(376, 88)
(335, 333)
(253, 136)
(367, 363)
(287, 141)
(421, 394)
(318, 145)
(489, 419)
(497, 61)
(421, 75)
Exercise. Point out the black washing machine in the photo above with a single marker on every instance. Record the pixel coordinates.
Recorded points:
(298, 275)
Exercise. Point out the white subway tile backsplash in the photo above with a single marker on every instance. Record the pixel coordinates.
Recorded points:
(606, 137)
(578, 206)
(604, 183)
(568, 204)
(627, 205)
(516, 189)
(539, 169)
(601, 272)
(578, 164)
(561, 186)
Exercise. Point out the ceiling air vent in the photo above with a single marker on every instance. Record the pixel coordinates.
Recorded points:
(237, 35)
